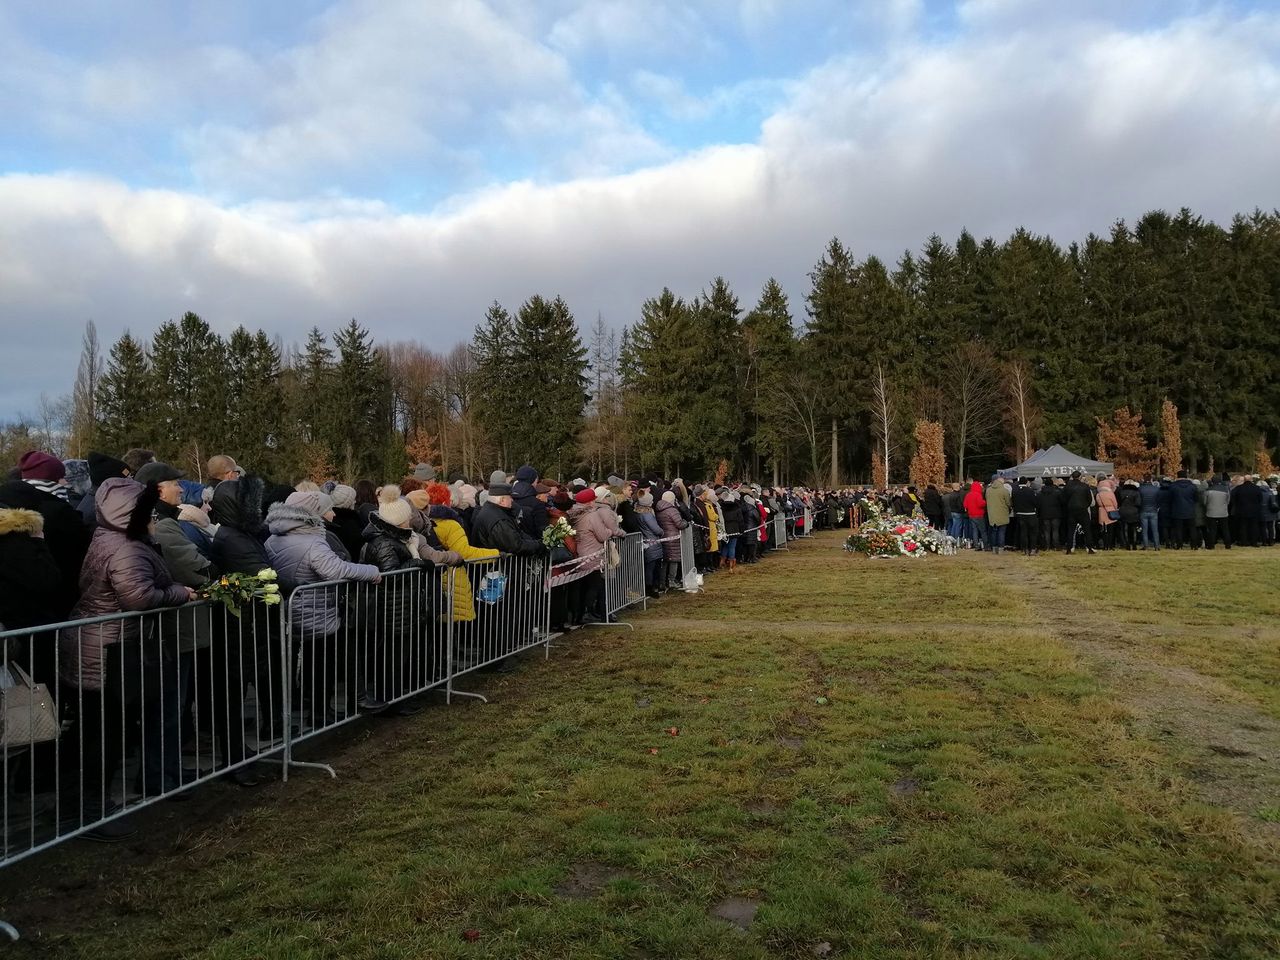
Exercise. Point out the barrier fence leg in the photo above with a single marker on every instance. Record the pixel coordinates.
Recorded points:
(286, 702)
(451, 646)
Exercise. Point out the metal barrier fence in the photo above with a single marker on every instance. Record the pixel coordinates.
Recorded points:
(510, 613)
(808, 522)
(624, 574)
(106, 716)
(688, 562)
(779, 532)
(111, 714)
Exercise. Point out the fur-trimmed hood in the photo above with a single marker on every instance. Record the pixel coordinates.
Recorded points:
(285, 520)
(20, 521)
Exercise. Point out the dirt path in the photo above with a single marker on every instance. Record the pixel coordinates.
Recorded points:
(1228, 747)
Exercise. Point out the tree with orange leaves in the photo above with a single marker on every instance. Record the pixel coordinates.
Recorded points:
(1122, 442)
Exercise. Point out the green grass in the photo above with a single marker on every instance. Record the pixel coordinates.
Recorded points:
(856, 589)
(965, 791)
(1214, 612)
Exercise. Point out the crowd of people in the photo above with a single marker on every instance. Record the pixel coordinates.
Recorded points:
(88, 541)
(1090, 513)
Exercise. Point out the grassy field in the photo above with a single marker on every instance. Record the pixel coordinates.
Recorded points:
(819, 756)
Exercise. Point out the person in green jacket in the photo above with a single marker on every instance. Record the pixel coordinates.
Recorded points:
(999, 501)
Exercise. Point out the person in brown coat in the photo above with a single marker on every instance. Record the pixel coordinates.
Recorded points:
(100, 664)
(595, 524)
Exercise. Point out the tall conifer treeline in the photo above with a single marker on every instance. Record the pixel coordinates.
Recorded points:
(1001, 344)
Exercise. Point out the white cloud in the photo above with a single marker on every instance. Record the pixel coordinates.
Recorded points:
(1060, 132)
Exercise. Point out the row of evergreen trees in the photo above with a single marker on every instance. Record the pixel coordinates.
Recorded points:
(1006, 345)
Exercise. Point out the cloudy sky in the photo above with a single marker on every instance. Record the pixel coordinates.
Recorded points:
(406, 162)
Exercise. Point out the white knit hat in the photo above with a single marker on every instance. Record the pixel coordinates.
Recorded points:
(398, 513)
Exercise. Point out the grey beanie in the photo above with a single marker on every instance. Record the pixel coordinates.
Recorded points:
(498, 484)
(424, 472)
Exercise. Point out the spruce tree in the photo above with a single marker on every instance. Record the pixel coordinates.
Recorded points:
(254, 425)
(550, 367)
(188, 415)
(493, 350)
(656, 359)
(834, 355)
(716, 373)
(124, 398)
(769, 343)
(360, 399)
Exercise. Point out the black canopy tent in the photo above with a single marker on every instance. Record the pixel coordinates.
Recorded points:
(1057, 461)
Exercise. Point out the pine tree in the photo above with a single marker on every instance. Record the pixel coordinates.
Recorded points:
(255, 425)
(188, 379)
(655, 361)
(493, 350)
(715, 375)
(361, 407)
(314, 377)
(769, 344)
(836, 351)
(124, 397)
(550, 366)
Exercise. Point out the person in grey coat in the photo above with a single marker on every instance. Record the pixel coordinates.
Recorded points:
(1217, 513)
(301, 554)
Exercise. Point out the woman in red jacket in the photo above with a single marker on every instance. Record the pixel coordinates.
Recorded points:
(975, 505)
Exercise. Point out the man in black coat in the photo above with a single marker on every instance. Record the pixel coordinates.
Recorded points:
(494, 525)
(1183, 496)
(1248, 506)
(1049, 508)
(1026, 507)
(933, 507)
(530, 501)
(1078, 502)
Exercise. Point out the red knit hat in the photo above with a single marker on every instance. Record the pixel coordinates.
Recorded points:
(585, 496)
(38, 465)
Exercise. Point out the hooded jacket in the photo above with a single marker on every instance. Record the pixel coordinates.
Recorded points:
(30, 580)
(237, 509)
(301, 554)
(1077, 497)
(595, 524)
(123, 571)
(975, 504)
(533, 512)
(1216, 500)
(672, 523)
(651, 532)
(1129, 502)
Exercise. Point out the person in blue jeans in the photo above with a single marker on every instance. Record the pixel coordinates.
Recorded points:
(1149, 518)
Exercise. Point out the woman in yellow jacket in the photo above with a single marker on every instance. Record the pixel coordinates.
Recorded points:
(453, 536)
(705, 505)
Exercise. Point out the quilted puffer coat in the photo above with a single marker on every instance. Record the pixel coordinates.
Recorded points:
(301, 554)
(123, 571)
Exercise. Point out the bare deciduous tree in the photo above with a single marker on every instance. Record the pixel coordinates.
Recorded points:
(1023, 417)
(971, 391)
